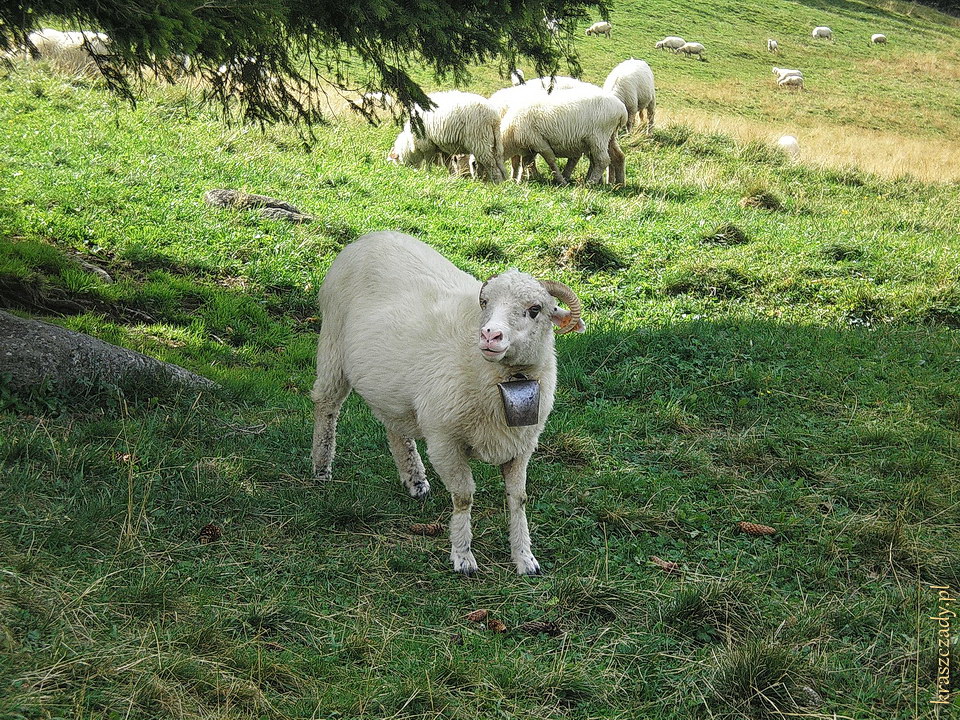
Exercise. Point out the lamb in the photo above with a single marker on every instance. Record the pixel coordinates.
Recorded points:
(878, 39)
(789, 145)
(772, 45)
(600, 28)
(632, 82)
(460, 123)
(795, 81)
(672, 42)
(692, 48)
(426, 345)
(567, 123)
(822, 31)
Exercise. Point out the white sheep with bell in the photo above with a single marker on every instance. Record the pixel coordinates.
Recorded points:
(632, 82)
(600, 28)
(461, 123)
(567, 124)
(427, 346)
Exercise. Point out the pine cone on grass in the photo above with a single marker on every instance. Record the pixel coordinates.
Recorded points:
(535, 627)
(754, 529)
(209, 533)
(497, 626)
(427, 529)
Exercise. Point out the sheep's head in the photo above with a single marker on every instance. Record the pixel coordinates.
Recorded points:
(403, 148)
(517, 312)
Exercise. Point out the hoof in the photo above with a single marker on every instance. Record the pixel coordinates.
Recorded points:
(465, 564)
(419, 491)
(528, 566)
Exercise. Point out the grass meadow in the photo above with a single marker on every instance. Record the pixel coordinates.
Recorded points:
(767, 341)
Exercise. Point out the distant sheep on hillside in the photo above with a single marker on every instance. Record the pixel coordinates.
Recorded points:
(822, 31)
(795, 81)
(72, 51)
(878, 39)
(600, 28)
(671, 42)
(692, 48)
(772, 45)
(632, 82)
(461, 123)
(789, 145)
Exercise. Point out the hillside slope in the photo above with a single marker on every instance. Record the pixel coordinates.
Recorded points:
(889, 109)
(767, 342)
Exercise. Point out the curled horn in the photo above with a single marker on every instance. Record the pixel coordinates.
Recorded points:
(567, 296)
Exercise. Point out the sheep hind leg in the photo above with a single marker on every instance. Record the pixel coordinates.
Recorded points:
(328, 395)
(617, 171)
(599, 162)
(409, 464)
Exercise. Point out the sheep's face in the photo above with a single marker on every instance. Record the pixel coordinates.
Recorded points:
(403, 149)
(516, 315)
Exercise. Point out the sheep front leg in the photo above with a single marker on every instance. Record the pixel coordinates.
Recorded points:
(452, 467)
(409, 464)
(515, 482)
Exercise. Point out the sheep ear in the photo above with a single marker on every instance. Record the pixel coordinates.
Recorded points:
(561, 318)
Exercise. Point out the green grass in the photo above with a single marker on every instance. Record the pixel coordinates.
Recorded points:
(794, 364)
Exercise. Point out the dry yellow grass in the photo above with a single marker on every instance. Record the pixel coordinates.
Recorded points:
(888, 154)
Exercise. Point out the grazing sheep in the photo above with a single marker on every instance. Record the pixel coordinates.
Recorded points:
(426, 345)
(72, 51)
(795, 81)
(878, 39)
(568, 124)
(460, 123)
(600, 28)
(823, 31)
(671, 42)
(789, 145)
(502, 100)
(632, 82)
(552, 23)
(772, 45)
(692, 48)
(785, 72)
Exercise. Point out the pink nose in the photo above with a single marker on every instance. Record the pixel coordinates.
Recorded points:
(490, 336)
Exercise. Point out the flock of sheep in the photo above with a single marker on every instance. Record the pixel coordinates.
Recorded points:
(553, 117)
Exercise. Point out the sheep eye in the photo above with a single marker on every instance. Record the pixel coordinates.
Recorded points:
(534, 311)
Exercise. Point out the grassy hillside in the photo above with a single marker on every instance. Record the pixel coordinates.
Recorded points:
(767, 342)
